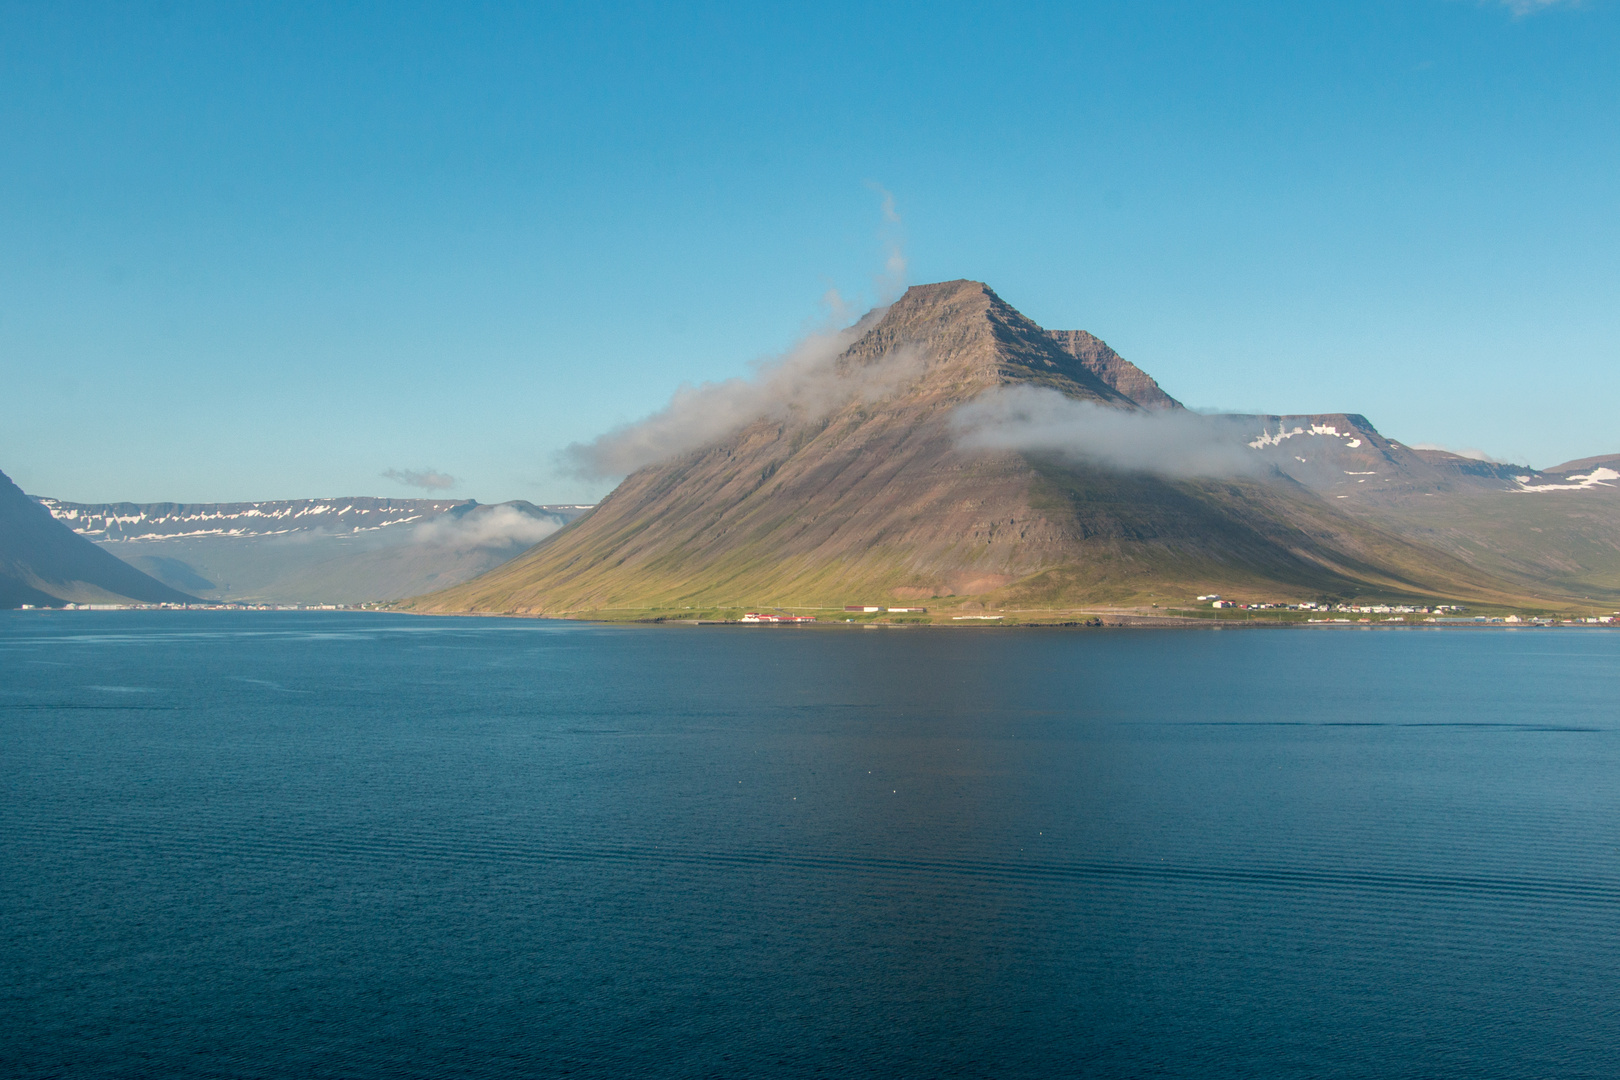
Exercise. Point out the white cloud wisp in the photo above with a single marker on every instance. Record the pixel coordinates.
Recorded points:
(892, 282)
(804, 385)
(426, 479)
(485, 526)
(1467, 452)
(1521, 8)
(1039, 420)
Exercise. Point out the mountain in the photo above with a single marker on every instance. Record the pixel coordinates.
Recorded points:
(1553, 532)
(1342, 456)
(42, 562)
(347, 550)
(874, 499)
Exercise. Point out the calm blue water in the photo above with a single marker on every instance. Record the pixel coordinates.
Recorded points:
(349, 845)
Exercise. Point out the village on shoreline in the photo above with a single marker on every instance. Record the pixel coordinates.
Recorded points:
(1220, 614)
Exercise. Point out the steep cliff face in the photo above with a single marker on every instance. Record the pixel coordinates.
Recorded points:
(875, 498)
(1113, 369)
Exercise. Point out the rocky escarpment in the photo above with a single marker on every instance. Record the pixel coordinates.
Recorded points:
(1113, 369)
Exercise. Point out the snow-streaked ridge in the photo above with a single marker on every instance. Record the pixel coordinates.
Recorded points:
(132, 522)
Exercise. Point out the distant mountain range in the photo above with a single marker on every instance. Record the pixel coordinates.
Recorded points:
(1343, 456)
(348, 550)
(45, 564)
(953, 450)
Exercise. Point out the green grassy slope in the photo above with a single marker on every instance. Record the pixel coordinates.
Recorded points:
(1562, 544)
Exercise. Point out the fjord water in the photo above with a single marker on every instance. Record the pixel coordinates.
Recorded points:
(357, 845)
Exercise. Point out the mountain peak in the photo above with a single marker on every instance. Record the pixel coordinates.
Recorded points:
(973, 339)
(944, 290)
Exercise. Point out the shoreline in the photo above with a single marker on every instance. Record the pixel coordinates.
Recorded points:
(1085, 620)
(1079, 620)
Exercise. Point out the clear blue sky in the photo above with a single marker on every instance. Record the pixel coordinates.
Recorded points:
(271, 251)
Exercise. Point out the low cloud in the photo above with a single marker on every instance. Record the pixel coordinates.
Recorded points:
(892, 282)
(803, 385)
(486, 526)
(1530, 7)
(1467, 452)
(426, 479)
(1038, 420)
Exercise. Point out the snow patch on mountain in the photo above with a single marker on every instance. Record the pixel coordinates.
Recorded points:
(1597, 478)
(1267, 438)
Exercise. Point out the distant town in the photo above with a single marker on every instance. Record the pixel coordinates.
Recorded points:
(1436, 614)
